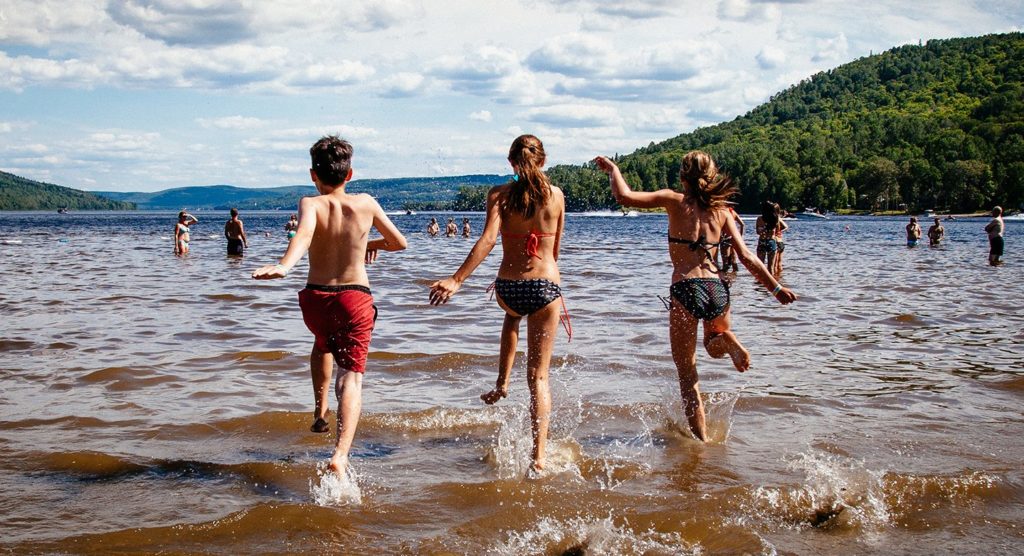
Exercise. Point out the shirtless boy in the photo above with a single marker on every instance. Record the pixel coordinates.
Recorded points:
(935, 233)
(235, 232)
(994, 229)
(337, 306)
(913, 232)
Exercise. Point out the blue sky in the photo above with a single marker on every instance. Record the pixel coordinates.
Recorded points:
(143, 95)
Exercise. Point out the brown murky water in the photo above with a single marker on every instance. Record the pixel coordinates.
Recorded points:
(157, 404)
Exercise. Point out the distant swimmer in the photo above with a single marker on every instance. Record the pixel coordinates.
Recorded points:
(767, 226)
(336, 304)
(697, 219)
(913, 232)
(780, 244)
(292, 226)
(466, 229)
(936, 233)
(451, 230)
(182, 234)
(235, 232)
(727, 253)
(995, 229)
(529, 214)
(433, 228)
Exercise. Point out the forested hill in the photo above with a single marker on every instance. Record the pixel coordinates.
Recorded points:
(938, 125)
(17, 193)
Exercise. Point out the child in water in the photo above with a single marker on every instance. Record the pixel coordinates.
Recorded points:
(529, 212)
(698, 217)
(337, 306)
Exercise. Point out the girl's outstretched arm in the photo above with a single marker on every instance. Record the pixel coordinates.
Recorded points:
(757, 269)
(442, 290)
(626, 196)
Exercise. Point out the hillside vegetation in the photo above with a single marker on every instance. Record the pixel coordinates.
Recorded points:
(17, 193)
(939, 125)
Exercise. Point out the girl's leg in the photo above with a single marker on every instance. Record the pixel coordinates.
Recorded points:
(719, 341)
(506, 357)
(349, 389)
(682, 330)
(541, 327)
(320, 366)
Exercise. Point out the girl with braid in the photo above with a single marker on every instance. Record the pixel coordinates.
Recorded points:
(529, 214)
(698, 217)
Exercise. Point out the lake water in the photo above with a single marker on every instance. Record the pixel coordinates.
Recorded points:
(152, 403)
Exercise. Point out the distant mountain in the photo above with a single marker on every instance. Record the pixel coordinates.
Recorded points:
(18, 193)
(392, 194)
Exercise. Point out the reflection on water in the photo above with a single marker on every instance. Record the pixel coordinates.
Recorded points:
(158, 403)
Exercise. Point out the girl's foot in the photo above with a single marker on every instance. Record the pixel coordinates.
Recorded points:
(740, 356)
(320, 425)
(338, 465)
(494, 395)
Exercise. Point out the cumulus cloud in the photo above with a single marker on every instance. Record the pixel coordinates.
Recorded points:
(479, 71)
(185, 22)
(770, 57)
(635, 9)
(831, 49)
(345, 72)
(661, 120)
(231, 122)
(42, 22)
(402, 84)
(481, 116)
(23, 71)
(572, 55)
(574, 115)
(6, 127)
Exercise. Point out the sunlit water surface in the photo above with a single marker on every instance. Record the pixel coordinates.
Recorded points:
(155, 403)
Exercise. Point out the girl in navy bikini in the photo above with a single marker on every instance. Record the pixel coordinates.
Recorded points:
(529, 213)
(698, 217)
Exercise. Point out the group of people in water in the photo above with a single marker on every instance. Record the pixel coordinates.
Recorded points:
(527, 215)
(451, 229)
(937, 232)
(234, 232)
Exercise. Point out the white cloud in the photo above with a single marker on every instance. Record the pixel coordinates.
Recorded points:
(6, 127)
(573, 55)
(771, 57)
(231, 122)
(834, 48)
(635, 9)
(183, 22)
(403, 84)
(481, 116)
(574, 115)
(345, 72)
(661, 120)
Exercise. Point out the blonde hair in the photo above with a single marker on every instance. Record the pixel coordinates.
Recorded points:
(531, 187)
(702, 181)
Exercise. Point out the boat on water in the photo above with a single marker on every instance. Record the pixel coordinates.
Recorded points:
(630, 213)
(811, 213)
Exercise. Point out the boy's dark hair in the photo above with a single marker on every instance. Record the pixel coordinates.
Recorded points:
(331, 158)
(234, 212)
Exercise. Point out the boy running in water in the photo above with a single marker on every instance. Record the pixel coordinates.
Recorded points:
(337, 306)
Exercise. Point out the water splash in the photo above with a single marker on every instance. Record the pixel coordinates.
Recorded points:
(335, 490)
(590, 536)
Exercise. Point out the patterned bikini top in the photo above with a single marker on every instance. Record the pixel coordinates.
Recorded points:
(701, 243)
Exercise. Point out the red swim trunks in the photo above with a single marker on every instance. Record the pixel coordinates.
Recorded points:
(341, 319)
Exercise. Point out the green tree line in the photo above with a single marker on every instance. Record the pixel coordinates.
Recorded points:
(17, 193)
(930, 126)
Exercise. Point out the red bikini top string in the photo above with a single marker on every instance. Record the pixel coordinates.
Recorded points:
(532, 241)
(565, 319)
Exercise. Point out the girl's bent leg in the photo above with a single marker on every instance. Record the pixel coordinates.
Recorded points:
(320, 366)
(541, 328)
(682, 329)
(349, 389)
(506, 357)
(720, 341)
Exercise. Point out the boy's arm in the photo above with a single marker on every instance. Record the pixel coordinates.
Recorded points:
(626, 196)
(757, 269)
(442, 290)
(393, 239)
(241, 233)
(297, 247)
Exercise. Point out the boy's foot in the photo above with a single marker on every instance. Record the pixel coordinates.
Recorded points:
(536, 470)
(320, 425)
(494, 395)
(338, 465)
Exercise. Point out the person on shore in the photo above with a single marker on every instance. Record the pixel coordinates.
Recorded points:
(727, 253)
(451, 230)
(336, 304)
(466, 229)
(433, 228)
(913, 232)
(292, 226)
(765, 226)
(995, 229)
(936, 233)
(697, 219)
(529, 213)
(235, 232)
(182, 233)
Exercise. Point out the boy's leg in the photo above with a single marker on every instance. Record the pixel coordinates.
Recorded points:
(349, 389)
(541, 327)
(682, 328)
(720, 341)
(320, 366)
(506, 357)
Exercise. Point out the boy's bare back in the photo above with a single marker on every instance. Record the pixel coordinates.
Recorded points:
(341, 228)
